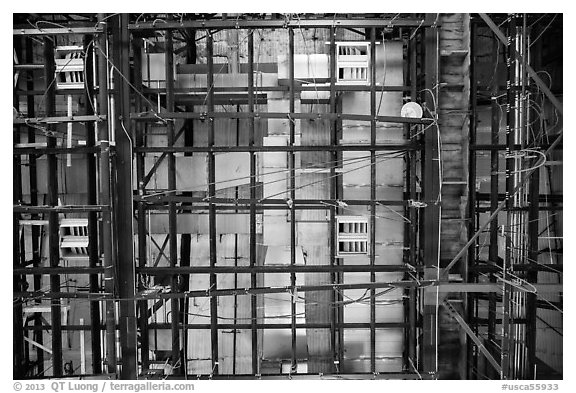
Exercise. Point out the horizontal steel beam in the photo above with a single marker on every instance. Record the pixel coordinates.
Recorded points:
(494, 287)
(268, 201)
(234, 208)
(426, 284)
(280, 23)
(264, 149)
(58, 31)
(275, 115)
(297, 376)
(151, 271)
(28, 67)
(298, 87)
(549, 198)
(47, 270)
(219, 99)
(263, 326)
(43, 92)
(147, 295)
(490, 268)
(55, 150)
(58, 119)
(59, 209)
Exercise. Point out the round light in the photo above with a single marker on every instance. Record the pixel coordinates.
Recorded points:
(411, 109)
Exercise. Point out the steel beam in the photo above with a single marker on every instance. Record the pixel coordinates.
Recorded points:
(91, 175)
(333, 189)
(105, 199)
(53, 226)
(33, 177)
(291, 115)
(430, 234)
(470, 309)
(444, 287)
(18, 151)
(51, 119)
(161, 270)
(228, 326)
(471, 334)
(292, 185)
(229, 149)
(18, 283)
(123, 217)
(251, 141)
(557, 104)
(212, 209)
(373, 115)
(173, 243)
(137, 43)
(282, 23)
(58, 31)
(501, 206)
(282, 86)
(43, 270)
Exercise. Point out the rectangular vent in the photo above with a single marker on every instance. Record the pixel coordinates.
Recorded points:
(353, 62)
(74, 238)
(352, 235)
(69, 67)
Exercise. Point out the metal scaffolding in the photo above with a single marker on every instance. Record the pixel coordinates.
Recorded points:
(121, 115)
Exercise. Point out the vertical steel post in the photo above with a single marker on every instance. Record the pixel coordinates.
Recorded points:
(412, 211)
(141, 206)
(91, 176)
(17, 280)
(104, 177)
(510, 127)
(431, 219)
(372, 197)
(172, 233)
(53, 225)
(333, 194)
(35, 230)
(211, 206)
(533, 229)
(493, 248)
(253, 283)
(472, 251)
(292, 186)
(124, 207)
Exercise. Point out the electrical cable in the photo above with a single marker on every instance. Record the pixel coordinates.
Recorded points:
(543, 31)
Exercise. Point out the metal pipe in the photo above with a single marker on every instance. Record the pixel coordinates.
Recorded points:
(104, 178)
(278, 23)
(412, 338)
(18, 283)
(173, 246)
(207, 149)
(123, 212)
(53, 226)
(431, 219)
(137, 43)
(291, 165)
(92, 190)
(253, 282)
(373, 114)
(212, 210)
(333, 195)
(494, 178)
(470, 309)
(35, 230)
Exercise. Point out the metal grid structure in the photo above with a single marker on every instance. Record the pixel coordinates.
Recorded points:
(118, 115)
